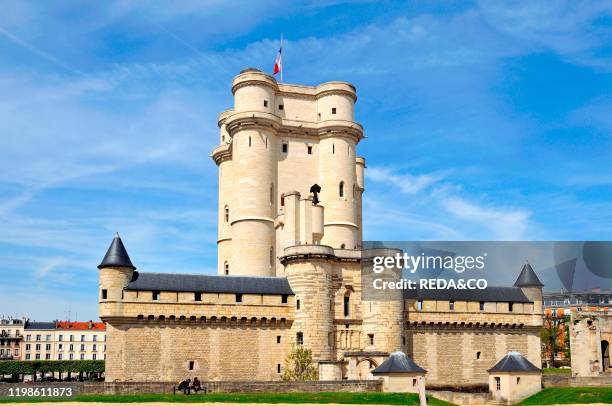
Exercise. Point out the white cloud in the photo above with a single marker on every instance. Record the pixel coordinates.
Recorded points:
(405, 183)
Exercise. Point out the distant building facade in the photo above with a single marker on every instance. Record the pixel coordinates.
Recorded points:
(289, 267)
(565, 303)
(64, 340)
(11, 335)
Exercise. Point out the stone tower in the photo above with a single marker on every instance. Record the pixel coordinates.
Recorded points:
(280, 139)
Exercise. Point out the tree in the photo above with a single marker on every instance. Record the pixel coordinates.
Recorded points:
(299, 365)
(555, 337)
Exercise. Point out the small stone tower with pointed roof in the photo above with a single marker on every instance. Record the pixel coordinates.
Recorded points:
(116, 271)
(531, 286)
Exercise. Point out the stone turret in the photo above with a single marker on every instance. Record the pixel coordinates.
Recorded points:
(116, 271)
(531, 286)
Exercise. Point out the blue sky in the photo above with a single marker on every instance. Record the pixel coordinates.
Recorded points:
(485, 121)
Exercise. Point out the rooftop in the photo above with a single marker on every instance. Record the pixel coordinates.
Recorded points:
(80, 325)
(398, 362)
(514, 361)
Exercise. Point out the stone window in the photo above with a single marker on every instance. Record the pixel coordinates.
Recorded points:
(250, 143)
(451, 305)
(419, 305)
(341, 189)
(284, 298)
(333, 149)
(309, 148)
(371, 338)
(478, 355)
(299, 338)
(278, 339)
(281, 107)
(282, 201)
(482, 306)
(319, 116)
(333, 110)
(497, 383)
(155, 295)
(191, 365)
(278, 367)
(104, 294)
(238, 297)
(518, 380)
(297, 304)
(265, 103)
(285, 147)
(414, 382)
(226, 268)
(226, 211)
(197, 296)
(510, 306)
(403, 340)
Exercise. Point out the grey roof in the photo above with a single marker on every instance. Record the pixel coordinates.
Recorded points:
(116, 255)
(514, 362)
(527, 278)
(398, 362)
(40, 325)
(209, 283)
(489, 294)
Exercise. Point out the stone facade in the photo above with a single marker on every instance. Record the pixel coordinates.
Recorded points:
(590, 337)
(278, 143)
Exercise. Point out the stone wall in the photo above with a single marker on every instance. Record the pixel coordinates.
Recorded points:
(128, 388)
(464, 355)
(555, 381)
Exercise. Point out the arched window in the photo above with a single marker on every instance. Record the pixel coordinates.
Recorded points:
(226, 267)
(226, 213)
(341, 189)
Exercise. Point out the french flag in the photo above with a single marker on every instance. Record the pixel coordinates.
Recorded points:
(278, 62)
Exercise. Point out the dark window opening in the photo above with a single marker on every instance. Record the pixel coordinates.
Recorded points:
(238, 297)
(197, 296)
(403, 340)
(309, 150)
(510, 306)
(265, 103)
(278, 339)
(478, 355)
(299, 338)
(281, 107)
(371, 338)
(333, 110)
(319, 115)
(346, 306)
(333, 148)
(282, 200)
(278, 368)
(285, 148)
(284, 298)
(518, 380)
(420, 304)
(191, 365)
(482, 306)
(249, 141)
(341, 189)
(156, 295)
(297, 304)
(104, 294)
(451, 305)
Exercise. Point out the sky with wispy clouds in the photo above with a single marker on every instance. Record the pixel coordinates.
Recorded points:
(484, 121)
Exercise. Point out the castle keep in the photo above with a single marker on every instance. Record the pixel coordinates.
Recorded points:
(289, 267)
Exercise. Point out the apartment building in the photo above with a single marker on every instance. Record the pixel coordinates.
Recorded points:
(64, 340)
(11, 334)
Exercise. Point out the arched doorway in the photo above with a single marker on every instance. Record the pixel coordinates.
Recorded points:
(605, 355)
(364, 369)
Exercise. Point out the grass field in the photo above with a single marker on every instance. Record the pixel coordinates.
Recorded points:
(559, 396)
(557, 371)
(372, 398)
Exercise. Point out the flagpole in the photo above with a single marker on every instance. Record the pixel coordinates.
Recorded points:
(283, 65)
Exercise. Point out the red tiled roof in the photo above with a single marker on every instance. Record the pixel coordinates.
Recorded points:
(80, 325)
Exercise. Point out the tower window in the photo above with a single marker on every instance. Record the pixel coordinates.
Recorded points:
(104, 294)
(371, 338)
(333, 110)
(265, 103)
(319, 116)
(197, 296)
(341, 189)
(333, 148)
(482, 306)
(309, 150)
(281, 107)
(284, 298)
(285, 147)
(278, 368)
(249, 141)
(226, 213)
(278, 339)
(238, 297)
(420, 305)
(478, 355)
(226, 268)
(451, 305)
(282, 201)
(297, 304)
(271, 257)
(191, 365)
(347, 305)
(299, 338)
(155, 295)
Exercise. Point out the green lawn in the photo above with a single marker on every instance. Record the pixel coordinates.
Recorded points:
(552, 396)
(557, 371)
(373, 398)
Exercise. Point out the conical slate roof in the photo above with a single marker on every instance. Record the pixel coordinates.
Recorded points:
(116, 255)
(514, 362)
(398, 362)
(527, 278)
